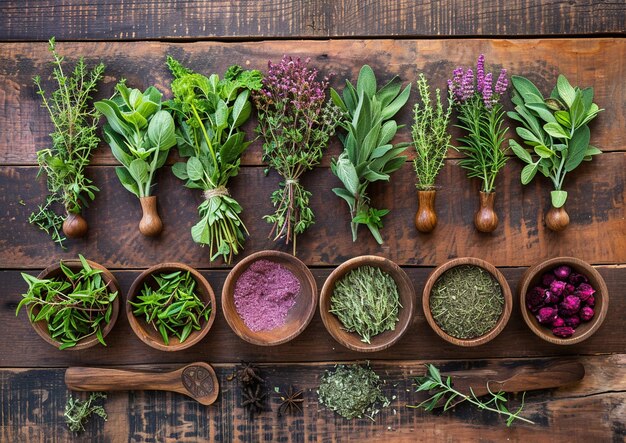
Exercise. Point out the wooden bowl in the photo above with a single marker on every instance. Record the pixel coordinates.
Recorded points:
(352, 340)
(146, 332)
(506, 293)
(298, 317)
(532, 277)
(52, 271)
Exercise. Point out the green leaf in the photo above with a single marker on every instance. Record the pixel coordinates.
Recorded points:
(542, 110)
(387, 132)
(562, 117)
(566, 91)
(179, 170)
(525, 87)
(556, 130)
(239, 113)
(161, 130)
(528, 173)
(366, 83)
(388, 92)
(334, 96)
(346, 172)
(528, 135)
(139, 170)
(110, 110)
(343, 193)
(127, 180)
(543, 151)
(195, 170)
(577, 148)
(558, 198)
(520, 152)
(391, 109)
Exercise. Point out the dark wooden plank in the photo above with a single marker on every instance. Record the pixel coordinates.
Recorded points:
(595, 205)
(21, 347)
(586, 62)
(33, 402)
(150, 19)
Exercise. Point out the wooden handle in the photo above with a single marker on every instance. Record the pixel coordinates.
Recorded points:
(99, 379)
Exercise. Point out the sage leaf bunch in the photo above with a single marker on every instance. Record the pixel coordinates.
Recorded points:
(74, 306)
(140, 134)
(368, 153)
(73, 141)
(209, 114)
(554, 129)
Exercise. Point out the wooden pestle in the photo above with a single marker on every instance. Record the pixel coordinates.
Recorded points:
(196, 380)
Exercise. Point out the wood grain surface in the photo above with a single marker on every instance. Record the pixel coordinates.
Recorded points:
(599, 63)
(237, 19)
(40, 394)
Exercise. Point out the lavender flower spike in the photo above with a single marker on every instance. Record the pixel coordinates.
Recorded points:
(480, 73)
(488, 91)
(502, 83)
(467, 85)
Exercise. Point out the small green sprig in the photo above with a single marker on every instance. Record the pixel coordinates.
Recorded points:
(74, 306)
(78, 411)
(173, 308)
(443, 391)
(366, 301)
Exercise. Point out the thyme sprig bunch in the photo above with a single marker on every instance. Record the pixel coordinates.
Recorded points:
(443, 391)
(74, 306)
(296, 122)
(73, 140)
(77, 411)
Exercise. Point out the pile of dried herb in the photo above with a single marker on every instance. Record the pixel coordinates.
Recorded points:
(352, 391)
(77, 412)
(366, 301)
(466, 301)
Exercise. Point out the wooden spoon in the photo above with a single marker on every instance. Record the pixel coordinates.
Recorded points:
(197, 380)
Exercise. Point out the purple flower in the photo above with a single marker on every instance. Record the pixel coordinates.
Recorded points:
(536, 298)
(488, 91)
(557, 287)
(586, 313)
(552, 298)
(569, 306)
(547, 279)
(467, 85)
(572, 321)
(563, 332)
(576, 278)
(570, 289)
(591, 301)
(546, 315)
(480, 73)
(558, 322)
(502, 83)
(562, 272)
(584, 291)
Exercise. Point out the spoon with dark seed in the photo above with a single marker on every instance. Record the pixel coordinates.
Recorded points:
(197, 380)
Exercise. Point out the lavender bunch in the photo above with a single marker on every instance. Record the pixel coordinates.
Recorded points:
(296, 122)
(480, 114)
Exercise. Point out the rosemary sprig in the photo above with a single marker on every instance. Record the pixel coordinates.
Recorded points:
(77, 411)
(443, 391)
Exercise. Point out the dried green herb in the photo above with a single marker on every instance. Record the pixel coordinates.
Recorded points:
(466, 301)
(444, 391)
(366, 301)
(78, 411)
(73, 140)
(352, 391)
(173, 308)
(74, 306)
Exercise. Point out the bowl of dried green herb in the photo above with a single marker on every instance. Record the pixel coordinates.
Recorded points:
(467, 301)
(367, 303)
(170, 306)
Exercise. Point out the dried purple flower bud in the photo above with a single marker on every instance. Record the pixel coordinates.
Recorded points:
(576, 278)
(569, 306)
(546, 315)
(547, 279)
(536, 298)
(586, 313)
(591, 301)
(584, 291)
(562, 272)
(558, 322)
(552, 298)
(557, 287)
(572, 321)
(570, 289)
(563, 332)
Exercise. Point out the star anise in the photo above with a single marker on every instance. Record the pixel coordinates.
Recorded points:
(249, 374)
(291, 402)
(253, 399)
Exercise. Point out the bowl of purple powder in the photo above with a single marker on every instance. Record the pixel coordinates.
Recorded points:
(563, 300)
(269, 298)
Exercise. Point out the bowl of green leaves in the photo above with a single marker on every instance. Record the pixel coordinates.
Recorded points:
(367, 303)
(170, 306)
(73, 304)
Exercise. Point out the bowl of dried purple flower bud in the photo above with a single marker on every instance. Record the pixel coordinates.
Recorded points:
(269, 298)
(564, 300)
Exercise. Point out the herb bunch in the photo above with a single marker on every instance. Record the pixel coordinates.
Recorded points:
(368, 154)
(171, 306)
(73, 140)
(296, 122)
(209, 115)
(139, 133)
(77, 411)
(430, 134)
(480, 114)
(366, 301)
(75, 306)
(556, 129)
(443, 391)
(352, 391)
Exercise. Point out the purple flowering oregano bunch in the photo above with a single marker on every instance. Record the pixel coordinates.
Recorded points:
(477, 102)
(296, 122)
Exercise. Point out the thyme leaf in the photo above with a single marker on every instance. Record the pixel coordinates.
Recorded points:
(77, 411)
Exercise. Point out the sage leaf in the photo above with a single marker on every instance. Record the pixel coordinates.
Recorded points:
(161, 130)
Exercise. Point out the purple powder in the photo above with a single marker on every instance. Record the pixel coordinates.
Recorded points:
(264, 293)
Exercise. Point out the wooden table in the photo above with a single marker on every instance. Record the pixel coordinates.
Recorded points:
(395, 37)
